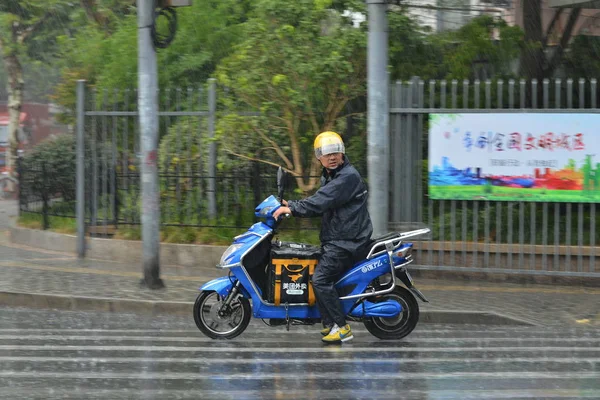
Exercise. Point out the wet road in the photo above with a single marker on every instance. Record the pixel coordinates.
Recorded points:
(68, 355)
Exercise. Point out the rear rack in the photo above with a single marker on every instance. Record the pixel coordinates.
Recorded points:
(380, 246)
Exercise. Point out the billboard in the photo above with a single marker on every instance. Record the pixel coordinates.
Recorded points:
(540, 157)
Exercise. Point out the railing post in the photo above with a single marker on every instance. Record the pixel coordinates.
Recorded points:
(21, 183)
(212, 152)
(80, 168)
(45, 223)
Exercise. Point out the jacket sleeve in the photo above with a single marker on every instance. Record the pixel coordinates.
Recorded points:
(335, 193)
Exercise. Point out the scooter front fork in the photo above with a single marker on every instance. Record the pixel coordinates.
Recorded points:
(225, 307)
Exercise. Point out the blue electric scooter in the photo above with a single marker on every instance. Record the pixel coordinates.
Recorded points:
(370, 291)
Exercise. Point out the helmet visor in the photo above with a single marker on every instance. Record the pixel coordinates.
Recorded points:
(329, 148)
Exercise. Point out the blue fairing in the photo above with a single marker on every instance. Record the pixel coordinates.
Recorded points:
(244, 242)
(223, 286)
(220, 285)
(266, 210)
(365, 272)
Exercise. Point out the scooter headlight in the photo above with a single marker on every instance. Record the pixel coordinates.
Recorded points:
(229, 253)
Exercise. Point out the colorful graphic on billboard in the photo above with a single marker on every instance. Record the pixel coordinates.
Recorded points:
(539, 157)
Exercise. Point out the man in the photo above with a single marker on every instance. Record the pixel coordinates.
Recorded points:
(345, 230)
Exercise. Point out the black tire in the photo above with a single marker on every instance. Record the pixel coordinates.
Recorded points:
(240, 315)
(397, 327)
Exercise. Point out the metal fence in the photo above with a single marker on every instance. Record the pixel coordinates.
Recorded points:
(489, 236)
(45, 190)
(194, 192)
(484, 236)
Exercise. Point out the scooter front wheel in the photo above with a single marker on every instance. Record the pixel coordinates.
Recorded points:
(399, 326)
(218, 322)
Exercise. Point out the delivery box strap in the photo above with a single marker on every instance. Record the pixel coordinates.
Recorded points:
(294, 265)
(280, 267)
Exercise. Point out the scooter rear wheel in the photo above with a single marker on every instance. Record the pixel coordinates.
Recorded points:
(399, 326)
(227, 325)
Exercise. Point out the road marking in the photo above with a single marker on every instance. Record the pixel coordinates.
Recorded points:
(316, 360)
(292, 393)
(49, 259)
(296, 350)
(276, 332)
(270, 340)
(294, 375)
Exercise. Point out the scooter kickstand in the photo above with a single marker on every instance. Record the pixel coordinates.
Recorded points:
(287, 318)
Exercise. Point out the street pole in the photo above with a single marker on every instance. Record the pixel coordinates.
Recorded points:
(81, 168)
(148, 111)
(378, 143)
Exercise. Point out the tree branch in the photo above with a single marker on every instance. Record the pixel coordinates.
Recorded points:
(351, 114)
(551, 27)
(262, 161)
(276, 147)
(90, 10)
(23, 34)
(564, 41)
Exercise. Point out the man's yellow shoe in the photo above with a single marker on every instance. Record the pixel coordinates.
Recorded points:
(339, 335)
(325, 331)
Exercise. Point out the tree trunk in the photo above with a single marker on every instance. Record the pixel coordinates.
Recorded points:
(567, 34)
(15, 86)
(91, 10)
(533, 59)
(532, 55)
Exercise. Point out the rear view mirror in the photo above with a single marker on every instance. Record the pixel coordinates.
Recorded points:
(281, 178)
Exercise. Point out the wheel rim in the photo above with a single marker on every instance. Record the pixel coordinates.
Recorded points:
(220, 324)
(392, 324)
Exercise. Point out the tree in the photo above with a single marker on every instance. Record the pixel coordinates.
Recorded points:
(454, 54)
(300, 64)
(534, 63)
(583, 58)
(105, 58)
(24, 28)
(413, 50)
(474, 44)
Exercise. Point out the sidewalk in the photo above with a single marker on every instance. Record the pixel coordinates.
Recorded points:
(37, 278)
(42, 279)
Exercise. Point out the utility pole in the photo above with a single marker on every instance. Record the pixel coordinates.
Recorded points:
(378, 143)
(81, 168)
(148, 112)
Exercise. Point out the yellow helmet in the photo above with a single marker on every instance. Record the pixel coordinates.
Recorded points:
(327, 143)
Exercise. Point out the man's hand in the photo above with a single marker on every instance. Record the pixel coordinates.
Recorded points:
(282, 210)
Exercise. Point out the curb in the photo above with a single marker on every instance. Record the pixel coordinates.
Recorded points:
(198, 257)
(75, 303)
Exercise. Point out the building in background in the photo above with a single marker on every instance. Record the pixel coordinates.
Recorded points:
(587, 24)
(443, 15)
(4, 138)
(37, 122)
